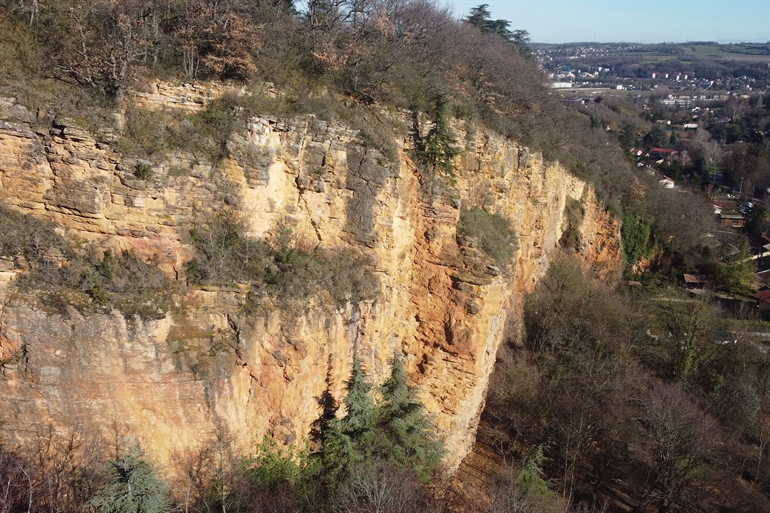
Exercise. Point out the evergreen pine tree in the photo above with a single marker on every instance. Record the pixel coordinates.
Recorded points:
(133, 488)
(440, 143)
(480, 16)
(350, 438)
(323, 425)
(673, 140)
(627, 137)
(437, 150)
(403, 432)
(529, 476)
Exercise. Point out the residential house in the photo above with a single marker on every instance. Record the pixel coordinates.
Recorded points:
(734, 220)
(695, 281)
(763, 297)
(663, 152)
(728, 214)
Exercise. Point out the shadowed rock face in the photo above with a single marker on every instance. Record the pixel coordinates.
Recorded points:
(209, 365)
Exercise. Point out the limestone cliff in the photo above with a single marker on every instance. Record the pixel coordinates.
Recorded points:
(207, 365)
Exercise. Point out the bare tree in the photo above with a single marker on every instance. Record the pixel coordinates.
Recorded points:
(106, 40)
(507, 496)
(379, 486)
(12, 480)
(677, 439)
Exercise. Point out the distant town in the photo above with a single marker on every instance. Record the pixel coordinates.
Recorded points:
(682, 74)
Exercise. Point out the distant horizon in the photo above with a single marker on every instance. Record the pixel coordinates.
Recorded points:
(689, 41)
(631, 21)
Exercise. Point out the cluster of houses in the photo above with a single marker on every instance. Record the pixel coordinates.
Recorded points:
(573, 52)
(686, 85)
(657, 155)
(730, 213)
(698, 283)
(733, 214)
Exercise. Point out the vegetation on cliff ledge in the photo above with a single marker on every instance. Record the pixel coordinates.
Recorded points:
(61, 273)
(493, 233)
(281, 269)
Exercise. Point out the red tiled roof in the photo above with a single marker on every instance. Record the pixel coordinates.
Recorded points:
(695, 278)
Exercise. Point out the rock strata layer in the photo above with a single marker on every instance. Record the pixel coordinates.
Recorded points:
(208, 366)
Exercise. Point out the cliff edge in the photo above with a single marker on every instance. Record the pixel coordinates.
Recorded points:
(208, 364)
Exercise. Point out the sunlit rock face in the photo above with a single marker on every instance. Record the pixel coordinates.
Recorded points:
(209, 365)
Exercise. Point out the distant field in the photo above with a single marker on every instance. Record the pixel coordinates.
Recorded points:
(750, 52)
(652, 58)
(603, 91)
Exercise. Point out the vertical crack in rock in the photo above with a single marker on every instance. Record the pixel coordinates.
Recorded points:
(366, 177)
(442, 301)
(240, 342)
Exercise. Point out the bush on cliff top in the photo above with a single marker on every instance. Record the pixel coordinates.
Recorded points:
(374, 58)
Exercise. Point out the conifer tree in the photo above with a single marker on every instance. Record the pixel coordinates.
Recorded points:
(403, 433)
(437, 149)
(350, 438)
(133, 488)
(323, 425)
(627, 136)
(673, 140)
(479, 16)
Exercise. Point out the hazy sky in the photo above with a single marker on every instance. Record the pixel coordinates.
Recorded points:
(652, 21)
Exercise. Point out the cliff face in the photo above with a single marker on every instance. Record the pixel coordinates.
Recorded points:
(209, 366)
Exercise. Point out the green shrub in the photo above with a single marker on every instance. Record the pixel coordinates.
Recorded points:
(64, 275)
(278, 269)
(493, 232)
(125, 282)
(25, 237)
(143, 171)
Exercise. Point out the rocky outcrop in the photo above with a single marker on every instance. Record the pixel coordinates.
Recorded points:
(209, 365)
